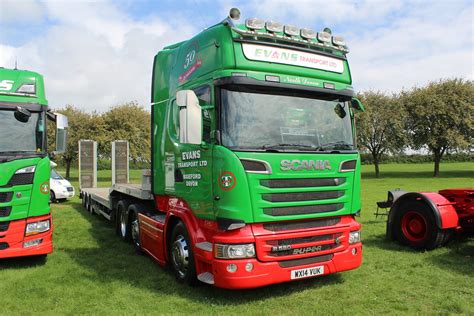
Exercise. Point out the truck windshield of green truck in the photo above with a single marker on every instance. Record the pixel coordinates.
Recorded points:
(285, 122)
(21, 137)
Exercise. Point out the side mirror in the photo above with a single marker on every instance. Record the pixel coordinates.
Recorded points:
(22, 115)
(61, 133)
(339, 109)
(357, 105)
(190, 117)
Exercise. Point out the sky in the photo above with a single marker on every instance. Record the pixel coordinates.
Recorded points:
(96, 54)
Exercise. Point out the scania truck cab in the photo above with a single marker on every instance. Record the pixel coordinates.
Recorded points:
(25, 218)
(255, 172)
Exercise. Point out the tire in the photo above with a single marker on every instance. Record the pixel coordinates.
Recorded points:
(181, 255)
(84, 200)
(133, 210)
(415, 226)
(89, 205)
(123, 222)
(52, 196)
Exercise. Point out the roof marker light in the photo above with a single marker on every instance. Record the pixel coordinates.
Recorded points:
(324, 37)
(291, 30)
(255, 23)
(274, 27)
(308, 34)
(338, 40)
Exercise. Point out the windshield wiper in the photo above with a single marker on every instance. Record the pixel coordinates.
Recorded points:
(340, 145)
(283, 145)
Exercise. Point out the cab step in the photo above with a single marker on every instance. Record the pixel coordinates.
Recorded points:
(206, 277)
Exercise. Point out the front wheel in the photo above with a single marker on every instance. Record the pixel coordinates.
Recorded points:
(415, 226)
(52, 196)
(181, 254)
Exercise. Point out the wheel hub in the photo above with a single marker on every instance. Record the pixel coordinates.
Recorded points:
(180, 255)
(123, 224)
(414, 226)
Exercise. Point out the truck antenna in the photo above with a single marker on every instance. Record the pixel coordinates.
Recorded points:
(16, 63)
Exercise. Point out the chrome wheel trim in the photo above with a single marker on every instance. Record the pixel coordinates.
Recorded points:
(180, 255)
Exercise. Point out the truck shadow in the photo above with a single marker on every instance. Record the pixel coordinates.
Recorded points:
(22, 262)
(457, 255)
(112, 260)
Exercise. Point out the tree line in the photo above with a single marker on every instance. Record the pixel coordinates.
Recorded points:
(438, 117)
(127, 121)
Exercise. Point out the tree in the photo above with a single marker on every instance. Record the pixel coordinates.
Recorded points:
(82, 125)
(129, 122)
(380, 128)
(441, 117)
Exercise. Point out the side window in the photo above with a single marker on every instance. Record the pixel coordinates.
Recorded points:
(204, 95)
(174, 120)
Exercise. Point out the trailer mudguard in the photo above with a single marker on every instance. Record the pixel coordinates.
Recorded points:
(443, 210)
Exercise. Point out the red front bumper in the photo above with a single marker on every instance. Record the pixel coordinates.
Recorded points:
(320, 243)
(13, 239)
(266, 273)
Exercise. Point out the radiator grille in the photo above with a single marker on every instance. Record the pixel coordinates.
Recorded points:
(5, 211)
(22, 178)
(302, 183)
(305, 209)
(302, 196)
(300, 262)
(5, 197)
(3, 245)
(4, 226)
(276, 227)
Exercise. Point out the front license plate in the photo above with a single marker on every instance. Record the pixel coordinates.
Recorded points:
(306, 273)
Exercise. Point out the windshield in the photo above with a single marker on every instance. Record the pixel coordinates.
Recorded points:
(269, 121)
(55, 175)
(19, 137)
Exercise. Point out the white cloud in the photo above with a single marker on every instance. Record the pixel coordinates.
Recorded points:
(20, 10)
(95, 56)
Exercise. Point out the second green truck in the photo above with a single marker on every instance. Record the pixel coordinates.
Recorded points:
(255, 171)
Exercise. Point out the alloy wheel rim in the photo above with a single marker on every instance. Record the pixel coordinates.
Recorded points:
(180, 255)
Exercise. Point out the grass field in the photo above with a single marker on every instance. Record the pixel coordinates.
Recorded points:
(92, 272)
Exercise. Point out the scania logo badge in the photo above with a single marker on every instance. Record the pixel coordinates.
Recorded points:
(296, 165)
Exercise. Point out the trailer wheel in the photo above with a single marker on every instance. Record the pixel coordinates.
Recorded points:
(89, 205)
(134, 227)
(415, 226)
(181, 255)
(123, 222)
(86, 201)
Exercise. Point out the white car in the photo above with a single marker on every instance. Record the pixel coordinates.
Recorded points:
(60, 188)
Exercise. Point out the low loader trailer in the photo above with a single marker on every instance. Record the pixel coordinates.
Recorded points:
(26, 227)
(427, 220)
(255, 174)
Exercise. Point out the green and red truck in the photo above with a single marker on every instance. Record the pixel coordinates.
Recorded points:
(255, 175)
(26, 225)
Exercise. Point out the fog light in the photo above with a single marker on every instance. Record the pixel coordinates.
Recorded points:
(249, 267)
(232, 268)
(32, 243)
(354, 251)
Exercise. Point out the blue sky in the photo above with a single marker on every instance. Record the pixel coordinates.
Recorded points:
(96, 54)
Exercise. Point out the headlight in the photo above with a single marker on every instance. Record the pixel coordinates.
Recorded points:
(228, 251)
(354, 237)
(37, 228)
(29, 169)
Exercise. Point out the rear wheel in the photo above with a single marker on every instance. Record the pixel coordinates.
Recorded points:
(122, 220)
(89, 205)
(415, 226)
(134, 227)
(52, 196)
(181, 254)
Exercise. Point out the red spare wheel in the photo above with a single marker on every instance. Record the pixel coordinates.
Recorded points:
(414, 226)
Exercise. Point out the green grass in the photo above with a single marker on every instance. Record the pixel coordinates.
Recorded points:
(92, 272)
